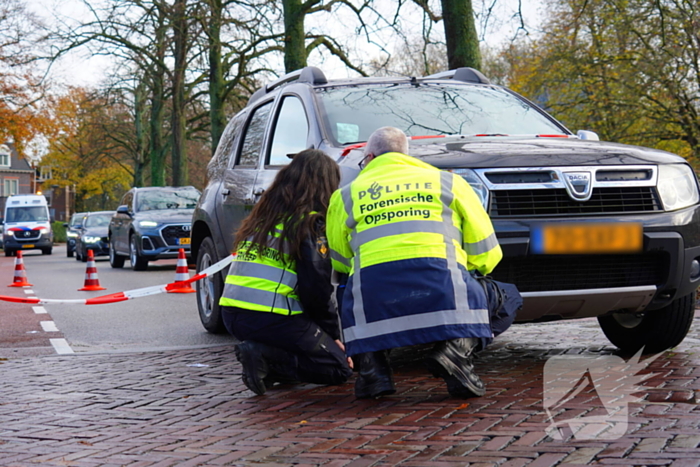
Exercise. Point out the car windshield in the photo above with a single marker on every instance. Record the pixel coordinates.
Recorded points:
(98, 220)
(27, 214)
(352, 113)
(158, 200)
(77, 220)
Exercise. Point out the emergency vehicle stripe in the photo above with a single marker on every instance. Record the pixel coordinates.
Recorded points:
(458, 283)
(417, 321)
(482, 246)
(405, 227)
(263, 298)
(262, 271)
(340, 258)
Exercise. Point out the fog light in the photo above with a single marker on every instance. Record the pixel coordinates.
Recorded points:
(695, 269)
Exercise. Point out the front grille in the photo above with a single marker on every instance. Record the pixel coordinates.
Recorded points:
(539, 273)
(27, 234)
(557, 202)
(172, 233)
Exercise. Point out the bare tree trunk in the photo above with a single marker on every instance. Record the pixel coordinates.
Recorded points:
(217, 85)
(141, 148)
(178, 154)
(460, 34)
(294, 35)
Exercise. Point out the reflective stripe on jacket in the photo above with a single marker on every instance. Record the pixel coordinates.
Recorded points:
(407, 233)
(262, 279)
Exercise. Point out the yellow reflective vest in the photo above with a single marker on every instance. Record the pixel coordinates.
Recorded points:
(407, 234)
(262, 279)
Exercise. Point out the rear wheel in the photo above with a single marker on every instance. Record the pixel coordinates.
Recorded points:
(138, 262)
(655, 331)
(115, 260)
(209, 289)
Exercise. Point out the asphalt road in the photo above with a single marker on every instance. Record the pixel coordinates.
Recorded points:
(158, 322)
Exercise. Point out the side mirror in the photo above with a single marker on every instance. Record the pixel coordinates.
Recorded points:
(587, 135)
(65, 225)
(123, 209)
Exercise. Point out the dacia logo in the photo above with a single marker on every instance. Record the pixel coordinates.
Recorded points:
(578, 185)
(375, 190)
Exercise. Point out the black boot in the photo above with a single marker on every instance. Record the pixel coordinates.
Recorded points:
(374, 377)
(452, 361)
(264, 365)
(255, 367)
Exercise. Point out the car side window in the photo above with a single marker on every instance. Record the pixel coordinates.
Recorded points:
(291, 131)
(226, 147)
(254, 136)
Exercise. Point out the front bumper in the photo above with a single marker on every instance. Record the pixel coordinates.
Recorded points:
(579, 286)
(11, 243)
(165, 243)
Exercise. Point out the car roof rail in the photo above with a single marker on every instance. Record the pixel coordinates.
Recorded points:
(466, 74)
(309, 74)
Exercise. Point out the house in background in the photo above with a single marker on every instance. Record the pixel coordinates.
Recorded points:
(16, 175)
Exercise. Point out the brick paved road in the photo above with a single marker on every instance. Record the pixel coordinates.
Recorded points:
(189, 408)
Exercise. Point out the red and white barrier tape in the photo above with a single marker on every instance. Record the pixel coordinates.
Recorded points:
(129, 294)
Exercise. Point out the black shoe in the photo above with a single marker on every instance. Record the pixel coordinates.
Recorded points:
(452, 361)
(255, 367)
(374, 379)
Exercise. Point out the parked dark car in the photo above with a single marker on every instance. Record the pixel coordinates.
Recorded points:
(588, 228)
(72, 232)
(93, 235)
(151, 223)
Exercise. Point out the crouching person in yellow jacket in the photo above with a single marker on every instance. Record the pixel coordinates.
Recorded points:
(412, 238)
(277, 295)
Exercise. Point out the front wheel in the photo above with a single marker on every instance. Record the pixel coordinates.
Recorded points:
(138, 262)
(655, 331)
(115, 260)
(46, 251)
(209, 289)
(69, 252)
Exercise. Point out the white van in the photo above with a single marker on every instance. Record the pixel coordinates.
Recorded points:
(27, 225)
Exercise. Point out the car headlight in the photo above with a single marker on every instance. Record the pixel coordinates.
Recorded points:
(148, 223)
(90, 239)
(477, 185)
(10, 233)
(71, 234)
(677, 186)
(43, 231)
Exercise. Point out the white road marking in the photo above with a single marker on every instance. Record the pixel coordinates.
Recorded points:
(61, 346)
(29, 291)
(48, 326)
(39, 310)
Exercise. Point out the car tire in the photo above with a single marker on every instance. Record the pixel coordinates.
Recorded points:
(209, 289)
(138, 262)
(9, 252)
(84, 257)
(115, 260)
(46, 251)
(656, 330)
(69, 253)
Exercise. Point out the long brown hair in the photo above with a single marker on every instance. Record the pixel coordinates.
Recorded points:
(302, 187)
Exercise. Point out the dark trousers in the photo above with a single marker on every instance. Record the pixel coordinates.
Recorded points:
(319, 359)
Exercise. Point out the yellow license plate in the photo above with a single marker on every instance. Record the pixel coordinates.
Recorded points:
(27, 246)
(587, 238)
(185, 241)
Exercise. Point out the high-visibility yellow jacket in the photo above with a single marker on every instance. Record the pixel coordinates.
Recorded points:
(262, 279)
(407, 234)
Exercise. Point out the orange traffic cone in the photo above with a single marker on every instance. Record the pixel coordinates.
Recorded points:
(181, 275)
(91, 280)
(20, 279)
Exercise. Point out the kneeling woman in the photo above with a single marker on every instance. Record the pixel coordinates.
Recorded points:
(277, 296)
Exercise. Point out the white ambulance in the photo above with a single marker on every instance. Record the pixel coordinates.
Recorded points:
(27, 224)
